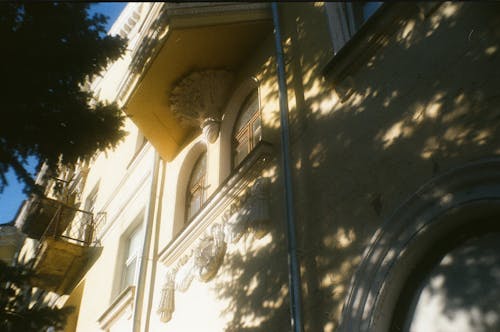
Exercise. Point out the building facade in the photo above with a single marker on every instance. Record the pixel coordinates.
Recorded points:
(395, 172)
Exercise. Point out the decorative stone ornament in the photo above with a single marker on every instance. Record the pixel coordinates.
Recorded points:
(210, 128)
(200, 96)
(461, 199)
(250, 213)
(210, 254)
(167, 303)
(185, 273)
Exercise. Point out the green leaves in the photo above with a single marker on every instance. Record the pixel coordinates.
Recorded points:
(23, 308)
(50, 51)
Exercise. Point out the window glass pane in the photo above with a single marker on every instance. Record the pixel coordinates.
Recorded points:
(241, 149)
(250, 107)
(195, 195)
(362, 10)
(370, 8)
(135, 243)
(346, 18)
(129, 273)
(198, 171)
(256, 132)
(131, 254)
(247, 130)
(195, 204)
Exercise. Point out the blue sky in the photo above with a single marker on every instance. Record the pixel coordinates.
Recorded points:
(12, 196)
(111, 9)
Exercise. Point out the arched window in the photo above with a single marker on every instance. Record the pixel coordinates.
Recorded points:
(195, 193)
(247, 129)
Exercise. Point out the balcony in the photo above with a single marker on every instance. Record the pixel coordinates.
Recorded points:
(61, 194)
(66, 235)
(11, 240)
(39, 213)
(191, 39)
(66, 250)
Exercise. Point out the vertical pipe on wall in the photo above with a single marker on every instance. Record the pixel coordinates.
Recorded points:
(154, 242)
(149, 218)
(293, 262)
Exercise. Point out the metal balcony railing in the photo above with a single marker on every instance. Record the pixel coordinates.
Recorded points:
(66, 249)
(72, 225)
(56, 210)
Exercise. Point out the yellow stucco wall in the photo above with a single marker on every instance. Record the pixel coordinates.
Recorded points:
(424, 102)
(421, 104)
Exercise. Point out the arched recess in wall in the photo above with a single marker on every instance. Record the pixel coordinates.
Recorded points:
(231, 113)
(446, 213)
(187, 162)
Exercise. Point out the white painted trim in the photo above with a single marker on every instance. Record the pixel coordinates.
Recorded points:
(178, 178)
(133, 195)
(120, 304)
(131, 169)
(338, 23)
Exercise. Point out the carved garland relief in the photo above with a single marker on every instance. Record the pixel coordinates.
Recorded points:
(248, 214)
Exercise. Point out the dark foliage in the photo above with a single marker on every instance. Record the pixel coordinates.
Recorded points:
(21, 307)
(50, 50)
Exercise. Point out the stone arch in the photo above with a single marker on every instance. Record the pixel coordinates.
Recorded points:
(459, 198)
(185, 162)
(231, 112)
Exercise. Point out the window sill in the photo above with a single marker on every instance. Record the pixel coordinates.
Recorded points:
(373, 35)
(121, 305)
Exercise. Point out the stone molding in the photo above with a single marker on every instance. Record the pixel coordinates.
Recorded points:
(219, 8)
(198, 14)
(121, 305)
(202, 261)
(455, 199)
(210, 128)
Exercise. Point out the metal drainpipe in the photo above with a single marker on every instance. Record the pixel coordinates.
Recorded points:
(136, 315)
(293, 262)
(154, 242)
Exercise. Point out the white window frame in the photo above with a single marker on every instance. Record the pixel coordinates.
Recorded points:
(131, 258)
(199, 186)
(246, 130)
(341, 23)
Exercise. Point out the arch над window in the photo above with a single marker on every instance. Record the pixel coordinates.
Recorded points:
(195, 194)
(247, 131)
